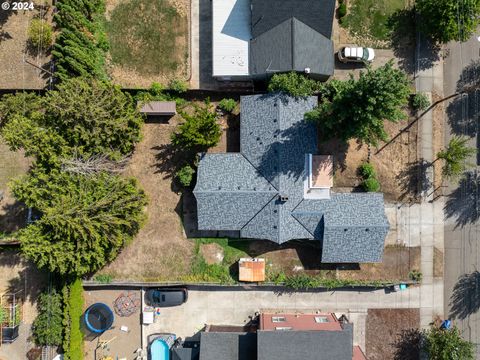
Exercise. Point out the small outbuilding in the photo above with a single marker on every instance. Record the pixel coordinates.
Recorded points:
(158, 108)
(251, 270)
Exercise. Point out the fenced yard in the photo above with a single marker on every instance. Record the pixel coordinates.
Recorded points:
(149, 41)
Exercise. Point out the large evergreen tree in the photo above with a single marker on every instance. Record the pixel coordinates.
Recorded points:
(358, 108)
(446, 20)
(81, 118)
(85, 220)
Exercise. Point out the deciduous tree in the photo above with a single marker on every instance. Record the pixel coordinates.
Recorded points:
(446, 20)
(358, 108)
(455, 156)
(447, 345)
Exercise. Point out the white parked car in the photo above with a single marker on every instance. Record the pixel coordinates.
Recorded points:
(356, 54)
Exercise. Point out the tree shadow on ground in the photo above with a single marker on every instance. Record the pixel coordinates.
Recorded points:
(402, 26)
(4, 15)
(413, 180)
(409, 345)
(463, 110)
(465, 299)
(463, 203)
(29, 283)
(338, 149)
(13, 216)
(170, 158)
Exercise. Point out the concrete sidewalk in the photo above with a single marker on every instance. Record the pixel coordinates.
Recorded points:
(430, 214)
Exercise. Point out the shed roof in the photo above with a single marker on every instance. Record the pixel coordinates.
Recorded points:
(159, 108)
(251, 269)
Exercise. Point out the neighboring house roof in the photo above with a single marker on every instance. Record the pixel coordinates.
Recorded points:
(317, 14)
(291, 45)
(306, 345)
(185, 353)
(259, 37)
(228, 346)
(260, 191)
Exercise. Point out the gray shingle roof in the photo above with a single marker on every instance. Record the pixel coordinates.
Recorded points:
(291, 45)
(228, 346)
(354, 226)
(242, 191)
(318, 14)
(305, 345)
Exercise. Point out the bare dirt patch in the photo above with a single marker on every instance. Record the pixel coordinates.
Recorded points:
(14, 72)
(438, 143)
(384, 328)
(394, 161)
(397, 262)
(160, 251)
(437, 263)
(19, 275)
(149, 41)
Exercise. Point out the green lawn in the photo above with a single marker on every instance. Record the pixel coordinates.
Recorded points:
(226, 271)
(148, 36)
(367, 19)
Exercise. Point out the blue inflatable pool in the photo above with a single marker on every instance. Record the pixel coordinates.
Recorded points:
(159, 350)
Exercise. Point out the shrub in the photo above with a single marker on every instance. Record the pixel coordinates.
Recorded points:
(47, 328)
(293, 83)
(200, 130)
(178, 86)
(342, 10)
(371, 185)
(420, 102)
(74, 312)
(185, 175)
(415, 275)
(366, 171)
(40, 34)
(156, 89)
(227, 105)
(103, 278)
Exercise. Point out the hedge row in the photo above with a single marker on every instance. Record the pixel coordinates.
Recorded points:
(80, 47)
(73, 309)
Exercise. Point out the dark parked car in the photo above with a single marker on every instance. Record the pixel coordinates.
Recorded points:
(165, 297)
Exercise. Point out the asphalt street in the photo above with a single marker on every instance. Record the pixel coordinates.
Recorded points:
(462, 225)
